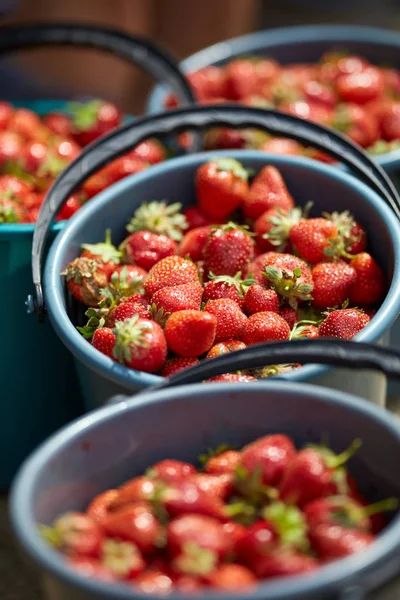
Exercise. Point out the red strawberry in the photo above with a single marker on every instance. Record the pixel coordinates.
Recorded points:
(220, 486)
(139, 488)
(224, 286)
(138, 299)
(85, 280)
(124, 166)
(312, 111)
(369, 285)
(226, 462)
(185, 496)
(272, 228)
(265, 327)
(312, 239)
(258, 540)
(390, 122)
(14, 187)
(10, 211)
(175, 365)
(126, 310)
(75, 533)
(128, 279)
(247, 77)
(100, 505)
(354, 121)
(97, 183)
(178, 297)
(170, 470)
(24, 121)
(200, 531)
(104, 340)
(301, 330)
(140, 344)
(284, 563)
(93, 119)
(221, 187)
(361, 87)
(123, 559)
(352, 236)
(208, 82)
(231, 378)
(232, 577)
(289, 276)
(65, 148)
(290, 315)
(256, 267)
(228, 250)
(160, 218)
(268, 456)
(90, 567)
(230, 319)
(190, 333)
(34, 153)
(332, 284)
(319, 93)
(282, 146)
(193, 243)
(197, 218)
(259, 299)
(344, 323)
(145, 249)
(170, 271)
(134, 523)
(11, 145)
(6, 112)
(225, 348)
(153, 581)
(104, 252)
(150, 151)
(333, 542)
(58, 123)
(71, 206)
(268, 190)
(224, 139)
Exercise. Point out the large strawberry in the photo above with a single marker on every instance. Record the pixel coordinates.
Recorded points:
(265, 327)
(260, 299)
(224, 286)
(369, 284)
(230, 319)
(85, 280)
(268, 190)
(221, 187)
(361, 88)
(170, 271)
(150, 151)
(354, 121)
(178, 297)
(140, 344)
(289, 276)
(145, 249)
(228, 250)
(190, 333)
(159, 217)
(312, 239)
(193, 243)
(247, 77)
(273, 228)
(344, 323)
(332, 284)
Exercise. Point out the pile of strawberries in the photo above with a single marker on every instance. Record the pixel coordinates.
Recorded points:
(34, 151)
(343, 91)
(243, 266)
(266, 511)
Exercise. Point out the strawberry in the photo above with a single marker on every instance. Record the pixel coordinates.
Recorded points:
(75, 533)
(208, 82)
(10, 211)
(185, 496)
(352, 237)
(369, 285)
(232, 578)
(128, 280)
(246, 77)
(170, 271)
(93, 119)
(319, 93)
(258, 540)
(153, 581)
(104, 253)
(225, 347)
(224, 139)
(220, 486)
(150, 151)
(178, 297)
(268, 457)
(24, 122)
(282, 146)
(69, 208)
(224, 286)
(332, 284)
(333, 541)
(175, 365)
(273, 227)
(190, 333)
(265, 326)
(123, 559)
(90, 567)
(170, 471)
(14, 187)
(231, 378)
(256, 267)
(344, 323)
(228, 250)
(289, 314)
(126, 310)
(104, 340)
(139, 299)
(230, 319)
(221, 187)
(334, 64)
(289, 276)
(306, 109)
(145, 249)
(59, 123)
(193, 243)
(313, 473)
(139, 488)
(97, 183)
(100, 505)
(284, 563)
(200, 531)
(361, 87)
(312, 238)
(268, 190)
(140, 344)
(33, 154)
(225, 462)
(259, 299)
(354, 121)
(85, 280)
(65, 148)
(390, 122)
(124, 166)
(134, 523)
(301, 330)
(197, 218)
(160, 218)
(11, 145)
(6, 112)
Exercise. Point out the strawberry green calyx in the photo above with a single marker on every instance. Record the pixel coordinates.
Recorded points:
(195, 560)
(341, 120)
(106, 251)
(15, 168)
(130, 336)
(250, 485)
(52, 166)
(289, 523)
(284, 92)
(345, 224)
(121, 557)
(125, 284)
(211, 452)
(348, 513)
(300, 329)
(159, 315)
(84, 114)
(161, 218)
(287, 285)
(232, 165)
(231, 226)
(96, 319)
(241, 512)
(8, 214)
(241, 285)
(51, 536)
(334, 461)
(382, 147)
(282, 223)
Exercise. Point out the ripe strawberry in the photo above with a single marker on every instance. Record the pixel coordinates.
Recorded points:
(225, 347)
(65, 148)
(312, 111)
(344, 323)
(97, 183)
(160, 218)
(332, 284)
(319, 93)
(134, 523)
(282, 146)
(71, 206)
(268, 190)
(361, 87)
(190, 333)
(197, 530)
(256, 267)
(247, 77)
(11, 145)
(224, 139)
(178, 297)
(11, 211)
(145, 249)
(273, 227)
(352, 237)
(6, 112)
(14, 187)
(104, 253)
(312, 238)
(59, 123)
(231, 378)
(128, 280)
(284, 563)
(100, 505)
(228, 250)
(124, 166)
(224, 286)
(104, 340)
(90, 567)
(150, 151)
(153, 581)
(208, 82)
(333, 542)
(257, 540)
(390, 122)
(369, 284)
(170, 470)
(354, 121)
(259, 299)
(170, 271)
(193, 243)
(334, 64)
(268, 456)
(140, 344)
(92, 119)
(225, 462)
(289, 276)
(125, 310)
(85, 280)
(230, 319)
(232, 577)
(175, 365)
(75, 533)
(185, 496)
(24, 122)
(289, 314)
(123, 559)
(134, 490)
(301, 330)
(221, 187)
(265, 327)
(197, 218)
(139, 299)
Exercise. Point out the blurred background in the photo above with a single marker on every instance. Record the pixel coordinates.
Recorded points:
(182, 26)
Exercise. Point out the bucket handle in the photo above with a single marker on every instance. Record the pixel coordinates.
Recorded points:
(134, 49)
(121, 140)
